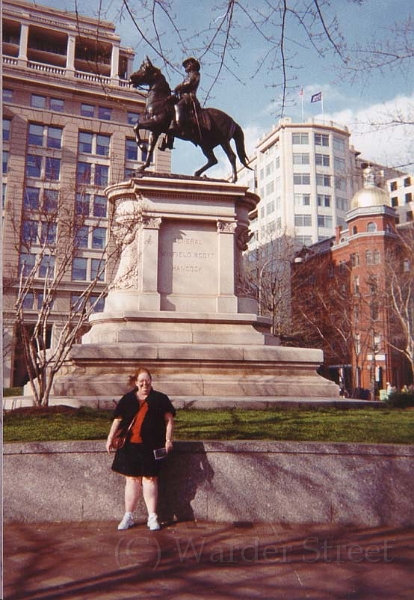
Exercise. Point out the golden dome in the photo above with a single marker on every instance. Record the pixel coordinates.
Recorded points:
(371, 194)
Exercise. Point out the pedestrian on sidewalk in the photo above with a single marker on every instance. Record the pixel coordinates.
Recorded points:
(149, 415)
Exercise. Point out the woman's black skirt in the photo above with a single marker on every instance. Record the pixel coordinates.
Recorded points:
(134, 460)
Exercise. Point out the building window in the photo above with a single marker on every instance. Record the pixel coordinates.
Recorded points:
(393, 186)
(323, 180)
(97, 269)
(324, 221)
(6, 130)
(301, 159)
(340, 183)
(27, 262)
(406, 266)
(99, 206)
(369, 257)
(300, 138)
(38, 101)
(79, 266)
(85, 142)
(31, 199)
(303, 220)
(302, 199)
(407, 182)
(104, 113)
(408, 198)
(50, 200)
(322, 160)
(339, 164)
(301, 178)
(48, 233)
(29, 232)
(339, 144)
(394, 201)
(33, 165)
(47, 267)
(377, 257)
(342, 203)
(28, 301)
(131, 150)
(82, 204)
(321, 139)
(270, 188)
(5, 162)
(132, 118)
(355, 259)
(82, 235)
(91, 143)
(98, 238)
(87, 110)
(43, 135)
(356, 284)
(101, 175)
(270, 207)
(57, 104)
(324, 200)
(52, 170)
(7, 95)
(371, 227)
(84, 173)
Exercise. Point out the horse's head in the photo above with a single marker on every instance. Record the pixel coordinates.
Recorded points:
(145, 74)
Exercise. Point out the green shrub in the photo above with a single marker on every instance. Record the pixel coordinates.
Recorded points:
(400, 400)
(13, 391)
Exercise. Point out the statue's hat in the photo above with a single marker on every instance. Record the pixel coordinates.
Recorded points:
(191, 61)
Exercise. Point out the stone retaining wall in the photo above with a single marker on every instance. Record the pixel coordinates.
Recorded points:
(290, 482)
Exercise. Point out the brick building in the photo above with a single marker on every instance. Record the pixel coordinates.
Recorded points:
(345, 292)
(68, 116)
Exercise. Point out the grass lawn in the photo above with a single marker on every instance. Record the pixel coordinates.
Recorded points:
(318, 425)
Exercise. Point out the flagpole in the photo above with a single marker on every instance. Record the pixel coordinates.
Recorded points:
(302, 106)
(323, 117)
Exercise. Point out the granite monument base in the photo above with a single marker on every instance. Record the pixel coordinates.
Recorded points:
(178, 302)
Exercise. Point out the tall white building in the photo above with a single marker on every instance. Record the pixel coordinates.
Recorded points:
(306, 175)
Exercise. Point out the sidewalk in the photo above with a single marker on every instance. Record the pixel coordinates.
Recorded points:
(202, 560)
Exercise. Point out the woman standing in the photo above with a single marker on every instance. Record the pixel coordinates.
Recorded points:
(153, 426)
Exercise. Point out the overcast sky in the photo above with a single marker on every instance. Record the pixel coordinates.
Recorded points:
(249, 91)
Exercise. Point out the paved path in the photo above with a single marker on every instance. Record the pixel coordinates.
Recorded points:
(221, 561)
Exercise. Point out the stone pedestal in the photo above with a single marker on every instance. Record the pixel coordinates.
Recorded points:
(176, 307)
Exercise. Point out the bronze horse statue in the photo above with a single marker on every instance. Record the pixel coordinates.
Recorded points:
(211, 127)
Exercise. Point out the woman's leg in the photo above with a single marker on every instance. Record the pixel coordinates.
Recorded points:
(132, 493)
(150, 493)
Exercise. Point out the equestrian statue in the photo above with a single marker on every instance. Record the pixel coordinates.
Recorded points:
(180, 115)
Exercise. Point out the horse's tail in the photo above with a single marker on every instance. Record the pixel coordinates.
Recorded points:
(238, 137)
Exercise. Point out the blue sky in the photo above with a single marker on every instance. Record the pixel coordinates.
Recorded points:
(249, 90)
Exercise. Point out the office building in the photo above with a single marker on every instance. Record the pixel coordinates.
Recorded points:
(68, 116)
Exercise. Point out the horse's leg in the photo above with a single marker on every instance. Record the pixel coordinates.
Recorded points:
(232, 158)
(137, 136)
(211, 160)
(153, 138)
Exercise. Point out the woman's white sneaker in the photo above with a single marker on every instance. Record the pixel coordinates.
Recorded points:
(153, 522)
(127, 521)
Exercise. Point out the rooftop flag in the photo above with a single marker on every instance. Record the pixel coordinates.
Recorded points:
(316, 97)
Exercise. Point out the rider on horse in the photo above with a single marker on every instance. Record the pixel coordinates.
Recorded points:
(188, 107)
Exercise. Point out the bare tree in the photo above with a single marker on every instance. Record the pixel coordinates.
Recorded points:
(49, 242)
(400, 293)
(223, 37)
